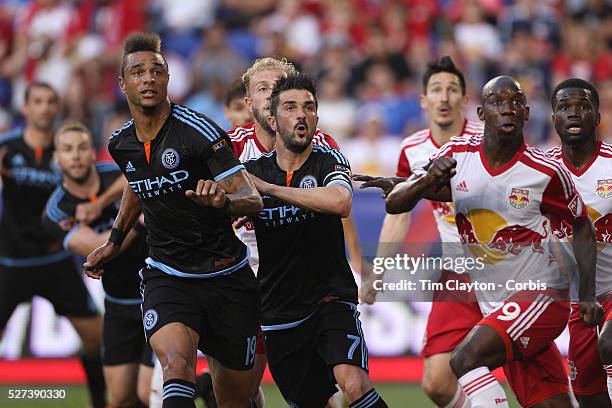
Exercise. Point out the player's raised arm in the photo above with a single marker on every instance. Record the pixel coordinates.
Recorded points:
(128, 213)
(432, 186)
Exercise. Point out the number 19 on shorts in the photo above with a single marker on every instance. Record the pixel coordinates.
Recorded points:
(250, 350)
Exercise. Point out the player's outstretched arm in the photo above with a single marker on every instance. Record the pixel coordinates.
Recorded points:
(432, 186)
(87, 212)
(236, 194)
(84, 240)
(128, 213)
(386, 184)
(585, 252)
(331, 199)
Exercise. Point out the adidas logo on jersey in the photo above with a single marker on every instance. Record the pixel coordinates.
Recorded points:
(524, 341)
(462, 187)
(129, 167)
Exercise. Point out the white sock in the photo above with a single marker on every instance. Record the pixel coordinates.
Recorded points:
(608, 369)
(460, 399)
(483, 390)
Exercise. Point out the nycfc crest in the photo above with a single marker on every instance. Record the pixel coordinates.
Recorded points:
(149, 319)
(309, 182)
(518, 198)
(604, 188)
(170, 159)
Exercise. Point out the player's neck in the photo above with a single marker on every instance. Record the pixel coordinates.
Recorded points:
(149, 122)
(88, 188)
(34, 137)
(442, 135)
(579, 156)
(290, 161)
(498, 151)
(266, 139)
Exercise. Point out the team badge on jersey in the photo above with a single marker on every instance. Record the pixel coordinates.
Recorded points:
(518, 198)
(170, 159)
(309, 182)
(604, 188)
(149, 319)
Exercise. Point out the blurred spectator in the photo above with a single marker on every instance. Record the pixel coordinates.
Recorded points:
(336, 110)
(369, 152)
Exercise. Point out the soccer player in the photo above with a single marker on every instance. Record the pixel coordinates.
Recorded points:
(575, 105)
(503, 193)
(124, 347)
(309, 314)
(252, 140)
(198, 289)
(32, 262)
(445, 100)
(236, 110)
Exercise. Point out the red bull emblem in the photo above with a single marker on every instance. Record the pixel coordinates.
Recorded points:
(519, 198)
(604, 188)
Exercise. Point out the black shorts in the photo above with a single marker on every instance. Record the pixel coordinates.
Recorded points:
(223, 310)
(301, 359)
(124, 341)
(61, 283)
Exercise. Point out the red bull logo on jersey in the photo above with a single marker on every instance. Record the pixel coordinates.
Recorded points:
(518, 198)
(488, 236)
(604, 188)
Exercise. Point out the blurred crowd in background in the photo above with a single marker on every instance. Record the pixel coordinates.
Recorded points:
(367, 56)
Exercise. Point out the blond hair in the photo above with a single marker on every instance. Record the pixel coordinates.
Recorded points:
(267, 63)
(73, 126)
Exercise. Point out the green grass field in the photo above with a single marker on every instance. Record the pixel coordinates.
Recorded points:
(396, 395)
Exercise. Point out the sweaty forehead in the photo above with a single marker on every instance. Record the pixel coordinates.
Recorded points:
(296, 95)
(143, 58)
(503, 89)
(568, 93)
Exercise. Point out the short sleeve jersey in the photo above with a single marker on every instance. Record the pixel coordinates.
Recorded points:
(32, 179)
(503, 215)
(120, 279)
(302, 253)
(246, 146)
(594, 183)
(416, 151)
(185, 239)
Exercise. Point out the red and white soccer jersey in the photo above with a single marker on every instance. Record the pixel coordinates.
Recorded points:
(594, 183)
(442, 334)
(246, 146)
(503, 215)
(416, 151)
(502, 218)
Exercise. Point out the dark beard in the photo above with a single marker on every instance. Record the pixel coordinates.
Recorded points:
(293, 145)
(263, 122)
(82, 179)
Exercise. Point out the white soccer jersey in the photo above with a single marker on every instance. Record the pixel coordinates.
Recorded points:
(246, 146)
(502, 216)
(416, 151)
(594, 183)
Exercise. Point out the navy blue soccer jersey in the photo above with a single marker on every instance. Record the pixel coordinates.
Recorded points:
(120, 279)
(302, 259)
(185, 239)
(32, 176)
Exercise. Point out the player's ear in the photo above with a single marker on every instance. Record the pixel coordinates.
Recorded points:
(597, 118)
(272, 122)
(480, 113)
(249, 103)
(423, 101)
(122, 84)
(526, 113)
